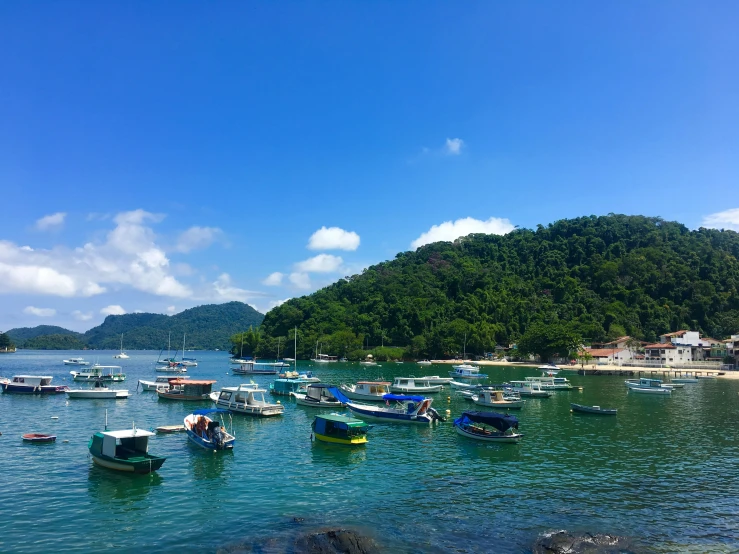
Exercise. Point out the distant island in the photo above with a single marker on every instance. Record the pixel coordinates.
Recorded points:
(208, 327)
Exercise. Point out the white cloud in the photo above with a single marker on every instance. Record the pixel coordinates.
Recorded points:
(728, 219)
(273, 279)
(39, 312)
(113, 309)
(171, 310)
(322, 263)
(196, 238)
(300, 280)
(451, 230)
(225, 291)
(82, 316)
(333, 238)
(454, 146)
(276, 303)
(53, 221)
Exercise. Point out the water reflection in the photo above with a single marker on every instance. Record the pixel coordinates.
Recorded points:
(337, 455)
(104, 485)
(207, 464)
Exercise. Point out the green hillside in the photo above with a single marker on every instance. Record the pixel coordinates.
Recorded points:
(597, 276)
(207, 327)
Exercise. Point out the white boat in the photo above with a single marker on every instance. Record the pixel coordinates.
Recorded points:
(306, 376)
(122, 355)
(473, 426)
(248, 399)
(369, 360)
(371, 391)
(408, 409)
(110, 373)
(457, 385)
(410, 385)
(531, 389)
(253, 368)
(497, 399)
(98, 391)
(76, 361)
(647, 386)
(317, 396)
(159, 382)
(171, 367)
(466, 371)
(240, 361)
(435, 379)
(288, 359)
(552, 383)
(32, 384)
(424, 362)
(549, 369)
(709, 376)
(189, 362)
(323, 358)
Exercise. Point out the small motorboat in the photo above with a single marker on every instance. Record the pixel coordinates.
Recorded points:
(306, 376)
(408, 409)
(466, 371)
(126, 450)
(98, 391)
(111, 373)
(318, 395)
(552, 383)
(76, 361)
(254, 368)
(162, 381)
(284, 387)
(456, 385)
(187, 389)
(32, 384)
(169, 429)
(497, 399)
(38, 437)
(369, 360)
(247, 399)
(647, 386)
(413, 385)
(488, 427)
(435, 379)
(206, 432)
(340, 429)
(549, 369)
(593, 409)
(424, 362)
(531, 389)
(371, 391)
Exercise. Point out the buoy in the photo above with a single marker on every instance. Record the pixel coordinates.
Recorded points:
(65, 440)
(55, 417)
(279, 402)
(449, 411)
(448, 398)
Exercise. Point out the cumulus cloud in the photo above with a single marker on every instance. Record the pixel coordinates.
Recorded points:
(113, 309)
(454, 146)
(728, 219)
(300, 280)
(171, 310)
(196, 238)
(276, 303)
(226, 291)
(322, 263)
(273, 279)
(82, 316)
(128, 256)
(39, 312)
(333, 238)
(451, 230)
(53, 221)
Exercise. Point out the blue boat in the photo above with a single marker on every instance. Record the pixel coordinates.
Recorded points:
(283, 387)
(206, 432)
(488, 426)
(408, 409)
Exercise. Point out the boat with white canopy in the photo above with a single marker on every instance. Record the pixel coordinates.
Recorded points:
(412, 385)
(371, 391)
(247, 399)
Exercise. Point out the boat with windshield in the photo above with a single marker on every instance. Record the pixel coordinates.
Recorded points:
(488, 426)
(247, 399)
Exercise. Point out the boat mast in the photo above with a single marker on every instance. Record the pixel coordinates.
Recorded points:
(241, 352)
(295, 337)
(169, 346)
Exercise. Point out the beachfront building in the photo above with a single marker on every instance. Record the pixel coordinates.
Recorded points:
(668, 353)
(610, 356)
(732, 347)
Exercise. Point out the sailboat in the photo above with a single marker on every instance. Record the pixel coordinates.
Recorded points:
(122, 355)
(169, 365)
(464, 366)
(187, 362)
(322, 358)
(240, 360)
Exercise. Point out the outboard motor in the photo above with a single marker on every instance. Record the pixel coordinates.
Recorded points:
(435, 415)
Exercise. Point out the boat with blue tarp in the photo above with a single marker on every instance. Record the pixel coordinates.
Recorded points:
(408, 409)
(488, 426)
(208, 433)
(340, 429)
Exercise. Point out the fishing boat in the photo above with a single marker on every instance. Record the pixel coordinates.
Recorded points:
(488, 427)
(169, 429)
(423, 362)
(408, 409)
(126, 450)
(122, 355)
(466, 371)
(162, 381)
(435, 379)
(98, 391)
(108, 373)
(552, 383)
(76, 361)
(593, 409)
(531, 389)
(684, 380)
(253, 368)
(38, 437)
(317, 395)
(647, 386)
(187, 389)
(497, 399)
(33, 384)
(306, 376)
(340, 429)
(208, 433)
(247, 399)
(240, 361)
(283, 387)
(372, 391)
(413, 385)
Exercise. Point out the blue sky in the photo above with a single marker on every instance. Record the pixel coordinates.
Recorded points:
(158, 156)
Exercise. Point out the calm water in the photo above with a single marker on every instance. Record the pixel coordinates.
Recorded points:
(664, 471)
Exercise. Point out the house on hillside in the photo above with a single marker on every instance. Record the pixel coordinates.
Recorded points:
(666, 352)
(732, 347)
(619, 343)
(691, 341)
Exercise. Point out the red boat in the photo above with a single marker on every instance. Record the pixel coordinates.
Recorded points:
(38, 437)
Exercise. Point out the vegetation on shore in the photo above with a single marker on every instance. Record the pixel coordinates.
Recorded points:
(5, 343)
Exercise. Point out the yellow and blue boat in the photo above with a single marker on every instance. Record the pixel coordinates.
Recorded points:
(340, 429)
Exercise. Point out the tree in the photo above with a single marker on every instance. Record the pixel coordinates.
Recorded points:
(585, 357)
(5, 342)
(547, 339)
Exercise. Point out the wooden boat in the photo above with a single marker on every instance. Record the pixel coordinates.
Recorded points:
(247, 399)
(33, 384)
(340, 429)
(206, 432)
(98, 391)
(187, 389)
(593, 409)
(408, 409)
(126, 450)
(38, 437)
(168, 429)
(318, 395)
(410, 385)
(488, 427)
(647, 386)
(497, 399)
(371, 391)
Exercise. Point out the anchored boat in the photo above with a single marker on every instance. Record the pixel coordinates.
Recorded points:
(466, 371)
(647, 386)
(38, 437)
(371, 391)
(246, 399)
(488, 427)
(161, 381)
(98, 391)
(186, 389)
(531, 389)
(109, 373)
(408, 409)
(340, 429)
(593, 409)
(318, 395)
(206, 432)
(33, 384)
(126, 450)
(497, 399)
(412, 385)
(76, 361)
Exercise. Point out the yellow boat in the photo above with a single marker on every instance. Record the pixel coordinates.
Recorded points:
(340, 429)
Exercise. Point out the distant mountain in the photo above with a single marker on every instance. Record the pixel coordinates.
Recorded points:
(206, 327)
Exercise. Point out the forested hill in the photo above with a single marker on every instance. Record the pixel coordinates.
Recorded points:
(601, 276)
(207, 327)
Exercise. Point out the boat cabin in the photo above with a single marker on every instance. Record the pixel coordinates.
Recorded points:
(410, 383)
(32, 380)
(340, 429)
(125, 444)
(283, 387)
(187, 389)
(656, 383)
(319, 392)
(375, 388)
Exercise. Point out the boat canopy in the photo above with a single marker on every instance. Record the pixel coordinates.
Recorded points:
(403, 398)
(206, 411)
(128, 433)
(502, 422)
(340, 396)
(180, 381)
(342, 421)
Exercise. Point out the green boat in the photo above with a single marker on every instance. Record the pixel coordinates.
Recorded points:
(125, 450)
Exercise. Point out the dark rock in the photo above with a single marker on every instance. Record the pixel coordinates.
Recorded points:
(334, 541)
(563, 542)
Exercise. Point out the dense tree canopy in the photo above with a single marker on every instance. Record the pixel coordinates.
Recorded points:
(601, 277)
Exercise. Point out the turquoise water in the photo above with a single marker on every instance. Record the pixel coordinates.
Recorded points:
(665, 471)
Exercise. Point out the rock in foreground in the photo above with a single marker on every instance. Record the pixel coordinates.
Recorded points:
(335, 541)
(563, 542)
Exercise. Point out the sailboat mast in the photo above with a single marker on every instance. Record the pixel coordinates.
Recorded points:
(295, 337)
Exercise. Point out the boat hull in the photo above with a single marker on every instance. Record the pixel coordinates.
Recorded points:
(26, 389)
(381, 415)
(98, 394)
(510, 405)
(492, 437)
(416, 390)
(365, 397)
(651, 390)
(303, 400)
(185, 397)
(597, 410)
(38, 438)
(208, 444)
(336, 440)
(140, 466)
